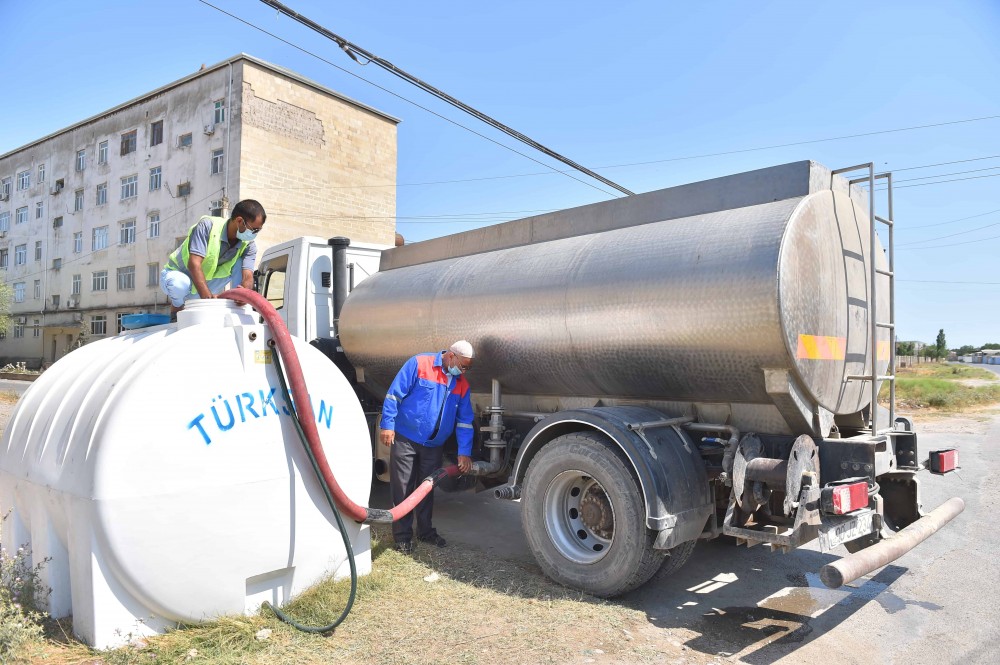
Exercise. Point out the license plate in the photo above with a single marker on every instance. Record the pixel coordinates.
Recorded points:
(832, 534)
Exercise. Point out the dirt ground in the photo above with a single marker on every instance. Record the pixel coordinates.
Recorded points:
(732, 604)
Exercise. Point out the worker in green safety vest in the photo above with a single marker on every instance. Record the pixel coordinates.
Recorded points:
(215, 253)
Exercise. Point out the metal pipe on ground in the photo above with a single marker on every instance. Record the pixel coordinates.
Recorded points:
(853, 566)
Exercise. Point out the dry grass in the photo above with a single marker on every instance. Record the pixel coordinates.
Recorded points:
(478, 611)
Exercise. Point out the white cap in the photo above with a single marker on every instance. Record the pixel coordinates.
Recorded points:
(462, 348)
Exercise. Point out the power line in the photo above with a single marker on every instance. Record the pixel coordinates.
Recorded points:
(959, 161)
(954, 221)
(954, 244)
(401, 97)
(936, 281)
(352, 50)
(943, 175)
(951, 235)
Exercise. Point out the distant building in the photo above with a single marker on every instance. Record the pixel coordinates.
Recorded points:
(89, 214)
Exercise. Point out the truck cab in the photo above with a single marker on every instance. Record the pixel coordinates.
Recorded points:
(295, 277)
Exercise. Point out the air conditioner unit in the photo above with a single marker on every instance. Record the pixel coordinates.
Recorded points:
(4, 197)
(71, 303)
(78, 317)
(55, 189)
(210, 129)
(3, 234)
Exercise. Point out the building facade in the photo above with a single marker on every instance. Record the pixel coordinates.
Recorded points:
(89, 214)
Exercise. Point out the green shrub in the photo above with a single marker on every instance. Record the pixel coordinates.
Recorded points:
(21, 593)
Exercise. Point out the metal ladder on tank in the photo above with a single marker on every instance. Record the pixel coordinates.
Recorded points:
(873, 323)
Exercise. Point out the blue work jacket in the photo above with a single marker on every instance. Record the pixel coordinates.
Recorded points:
(426, 404)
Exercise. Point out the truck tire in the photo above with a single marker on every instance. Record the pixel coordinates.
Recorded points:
(678, 557)
(584, 518)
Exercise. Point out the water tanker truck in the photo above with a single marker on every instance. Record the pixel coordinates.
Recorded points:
(684, 364)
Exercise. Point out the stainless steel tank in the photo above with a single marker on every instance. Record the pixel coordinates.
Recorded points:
(743, 297)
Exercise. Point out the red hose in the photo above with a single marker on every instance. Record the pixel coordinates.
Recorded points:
(290, 360)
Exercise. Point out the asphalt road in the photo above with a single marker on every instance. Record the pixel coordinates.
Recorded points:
(18, 387)
(937, 604)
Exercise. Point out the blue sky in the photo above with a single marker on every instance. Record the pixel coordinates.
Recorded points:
(606, 84)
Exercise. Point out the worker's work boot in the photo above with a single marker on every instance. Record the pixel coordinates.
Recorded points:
(434, 539)
(404, 547)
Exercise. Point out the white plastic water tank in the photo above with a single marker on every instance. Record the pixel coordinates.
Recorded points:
(162, 474)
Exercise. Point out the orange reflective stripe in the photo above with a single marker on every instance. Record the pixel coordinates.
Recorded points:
(820, 347)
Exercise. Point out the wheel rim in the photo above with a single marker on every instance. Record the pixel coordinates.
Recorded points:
(579, 517)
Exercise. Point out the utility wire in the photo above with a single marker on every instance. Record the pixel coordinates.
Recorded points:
(401, 97)
(353, 50)
(954, 221)
(954, 244)
(951, 235)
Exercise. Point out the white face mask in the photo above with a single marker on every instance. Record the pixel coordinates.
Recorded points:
(246, 235)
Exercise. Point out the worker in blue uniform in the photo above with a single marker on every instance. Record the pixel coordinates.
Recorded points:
(427, 401)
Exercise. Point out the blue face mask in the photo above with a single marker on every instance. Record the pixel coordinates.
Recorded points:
(246, 235)
(455, 371)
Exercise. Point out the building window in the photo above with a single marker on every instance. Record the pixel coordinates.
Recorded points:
(18, 291)
(4, 221)
(99, 281)
(21, 215)
(184, 189)
(130, 187)
(152, 274)
(220, 111)
(39, 209)
(154, 224)
(81, 160)
(102, 152)
(78, 200)
(38, 250)
(128, 142)
(41, 173)
(184, 141)
(75, 289)
(55, 302)
(215, 208)
(19, 328)
(36, 328)
(126, 278)
(56, 264)
(4, 259)
(126, 232)
(99, 238)
(57, 222)
(99, 325)
(156, 133)
(20, 255)
(217, 161)
(5, 188)
(155, 178)
(38, 289)
(23, 180)
(78, 242)
(102, 193)
(119, 316)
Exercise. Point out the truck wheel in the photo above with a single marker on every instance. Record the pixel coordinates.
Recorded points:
(584, 519)
(678, 557)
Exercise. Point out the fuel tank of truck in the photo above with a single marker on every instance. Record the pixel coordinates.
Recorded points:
(744, 299)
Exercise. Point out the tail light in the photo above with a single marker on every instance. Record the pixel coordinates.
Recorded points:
(943, 461)
(846, 497)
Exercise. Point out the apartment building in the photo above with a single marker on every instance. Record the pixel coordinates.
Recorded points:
(89, 214)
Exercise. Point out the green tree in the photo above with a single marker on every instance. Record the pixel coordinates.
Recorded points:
(6, 297)
(904, 349)
(966, 350)
(941, 346)
(992, 345)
